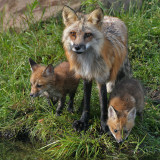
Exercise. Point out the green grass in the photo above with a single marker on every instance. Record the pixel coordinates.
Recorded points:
(42, 42)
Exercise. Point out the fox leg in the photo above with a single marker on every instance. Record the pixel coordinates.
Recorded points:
(82, 124)
(81, 105)
(51, 101)
(103, 105)
(70, 107)
(61, 104)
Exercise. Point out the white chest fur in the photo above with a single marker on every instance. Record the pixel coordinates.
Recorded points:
(92, 67)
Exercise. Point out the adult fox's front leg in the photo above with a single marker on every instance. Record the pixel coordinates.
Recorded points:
(82, 124)
(103, 106)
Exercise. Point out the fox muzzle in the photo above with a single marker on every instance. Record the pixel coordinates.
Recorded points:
(79, 48)
(33, 95)
(119, 140)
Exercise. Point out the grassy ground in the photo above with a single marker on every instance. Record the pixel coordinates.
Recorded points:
(21, 116)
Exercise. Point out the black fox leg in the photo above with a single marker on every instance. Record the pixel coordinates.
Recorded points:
(61, 104)
(70, 107)
(103, 105)
(52, 101)
(87, 97)
(82, 124)
(81, 105)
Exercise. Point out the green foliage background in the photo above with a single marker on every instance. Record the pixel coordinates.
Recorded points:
(20, 114)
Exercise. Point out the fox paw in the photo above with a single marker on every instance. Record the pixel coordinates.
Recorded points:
(79, 125)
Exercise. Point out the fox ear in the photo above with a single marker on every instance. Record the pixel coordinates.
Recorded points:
(96, 17)
(132, 114)
(112, 113)
(33, 64)
(48, 71)
(69, 16)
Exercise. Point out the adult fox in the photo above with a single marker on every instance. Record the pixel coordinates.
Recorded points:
(96, 48)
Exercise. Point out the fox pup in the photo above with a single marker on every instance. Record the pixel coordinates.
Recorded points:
(96, 48)
(126, 99)
(53, 83)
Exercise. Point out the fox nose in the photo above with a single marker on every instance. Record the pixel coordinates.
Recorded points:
(77, 47)
(119, 141)
(31, 94)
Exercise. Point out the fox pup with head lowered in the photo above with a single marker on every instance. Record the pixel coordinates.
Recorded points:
(54, 83)
(126, 99)
(96, 48)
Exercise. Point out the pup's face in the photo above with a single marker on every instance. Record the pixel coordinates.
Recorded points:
(121, 124)
(40, 78)
(38, 85)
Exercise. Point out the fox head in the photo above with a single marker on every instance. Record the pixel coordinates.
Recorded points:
(40, 78)
(82, 33)
(120, 124)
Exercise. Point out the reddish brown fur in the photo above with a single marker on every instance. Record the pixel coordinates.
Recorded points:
(113, 48)
(120, 104)
(110, 54)
(64, 81)
(126, 98)
(112, 58)
(54, 83)
(96, 48)
(118, 60)
(73, 61)
(119, 124)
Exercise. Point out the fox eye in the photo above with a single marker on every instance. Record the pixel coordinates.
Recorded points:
(73, 34)
(39, 86)
(87, 35)
(115, 131)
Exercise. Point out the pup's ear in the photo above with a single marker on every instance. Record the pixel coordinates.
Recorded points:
(48, 71)
(69, 16)
(132, 114)
(112, 113)
(96, 17)
(33, 64)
